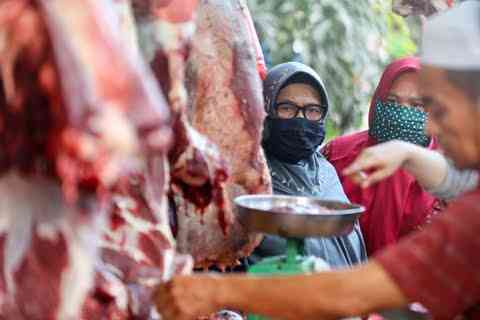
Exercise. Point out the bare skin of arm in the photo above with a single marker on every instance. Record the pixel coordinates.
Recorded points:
(428, 167)
(326, 295)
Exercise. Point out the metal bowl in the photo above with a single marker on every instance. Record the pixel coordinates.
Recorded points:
(298, 217)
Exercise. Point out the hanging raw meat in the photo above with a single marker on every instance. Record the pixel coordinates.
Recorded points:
(138, 249)
(226, 103)
(226, 106)
(78, 110)
(206, 176)
(197, 169)
(198, 172)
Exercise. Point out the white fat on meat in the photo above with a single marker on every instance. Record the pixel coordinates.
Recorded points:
(36, 204)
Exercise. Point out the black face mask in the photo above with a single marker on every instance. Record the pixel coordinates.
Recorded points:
(292, 140)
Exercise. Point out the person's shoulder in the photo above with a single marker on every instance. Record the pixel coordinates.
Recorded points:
(327, 168)
(322, 160)
(346, 146)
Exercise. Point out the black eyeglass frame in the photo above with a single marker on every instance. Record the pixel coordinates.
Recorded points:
(302, 109)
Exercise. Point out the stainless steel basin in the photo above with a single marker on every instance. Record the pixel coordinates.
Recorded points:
(300, 217)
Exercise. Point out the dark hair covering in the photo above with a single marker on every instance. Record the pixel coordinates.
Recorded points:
(287, 73)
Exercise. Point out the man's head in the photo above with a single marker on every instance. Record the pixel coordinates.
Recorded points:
(454, 112)
(450, 82)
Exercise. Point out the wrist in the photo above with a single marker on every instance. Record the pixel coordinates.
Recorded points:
(410, 154)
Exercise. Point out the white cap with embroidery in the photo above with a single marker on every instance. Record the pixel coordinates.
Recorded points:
(451, 39)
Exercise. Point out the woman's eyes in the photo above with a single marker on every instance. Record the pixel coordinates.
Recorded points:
(417, 105)
(392, 100)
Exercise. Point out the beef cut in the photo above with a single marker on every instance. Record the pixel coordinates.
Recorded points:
(226, 106)
(210, 164)
(90, 150)
(79, 113)
(198, 172)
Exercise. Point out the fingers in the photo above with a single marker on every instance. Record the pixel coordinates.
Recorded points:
(358, 177)
(167, 298)
(376, 162)
(185, 298)
(373, 178)
(366, 161)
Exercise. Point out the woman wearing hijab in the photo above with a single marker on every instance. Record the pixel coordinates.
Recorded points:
(297, 103)
(397, 205)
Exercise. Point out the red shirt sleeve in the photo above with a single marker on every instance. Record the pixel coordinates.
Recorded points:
(440, 266)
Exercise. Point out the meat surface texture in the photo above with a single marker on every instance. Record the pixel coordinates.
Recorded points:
(210, 164)
(94, 158)
(80, 114)
(226, 106)
(48, 249)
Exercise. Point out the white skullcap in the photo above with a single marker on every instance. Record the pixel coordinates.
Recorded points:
(451, 39)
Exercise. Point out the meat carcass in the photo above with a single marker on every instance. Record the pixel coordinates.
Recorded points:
(226, 106)
(197, 167)
(78, 110)
(138, 248)
(198, 172)
(206, 222)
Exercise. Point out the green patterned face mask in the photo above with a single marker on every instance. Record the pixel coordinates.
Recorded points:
(393, 121)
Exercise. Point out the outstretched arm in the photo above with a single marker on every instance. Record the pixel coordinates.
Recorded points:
(429, 167)
(326, 295)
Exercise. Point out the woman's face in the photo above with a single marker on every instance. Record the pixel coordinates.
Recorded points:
(405, 91)
(299, 96)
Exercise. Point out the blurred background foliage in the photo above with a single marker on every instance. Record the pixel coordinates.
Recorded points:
(347, 42)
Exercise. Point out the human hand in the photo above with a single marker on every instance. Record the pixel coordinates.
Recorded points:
(381, 161)
(187, 297)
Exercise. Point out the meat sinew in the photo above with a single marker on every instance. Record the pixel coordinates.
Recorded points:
(225, 105)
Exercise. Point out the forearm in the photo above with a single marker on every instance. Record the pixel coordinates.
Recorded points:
(427, 166)
(324, 295)
(435, 174)
(455, 183)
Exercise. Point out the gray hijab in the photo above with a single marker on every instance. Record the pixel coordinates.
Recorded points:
(286, 73)
(295, 147)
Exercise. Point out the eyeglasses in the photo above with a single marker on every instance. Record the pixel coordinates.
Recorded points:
(289, 110)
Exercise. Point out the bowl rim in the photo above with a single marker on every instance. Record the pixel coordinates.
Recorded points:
(353, 209)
